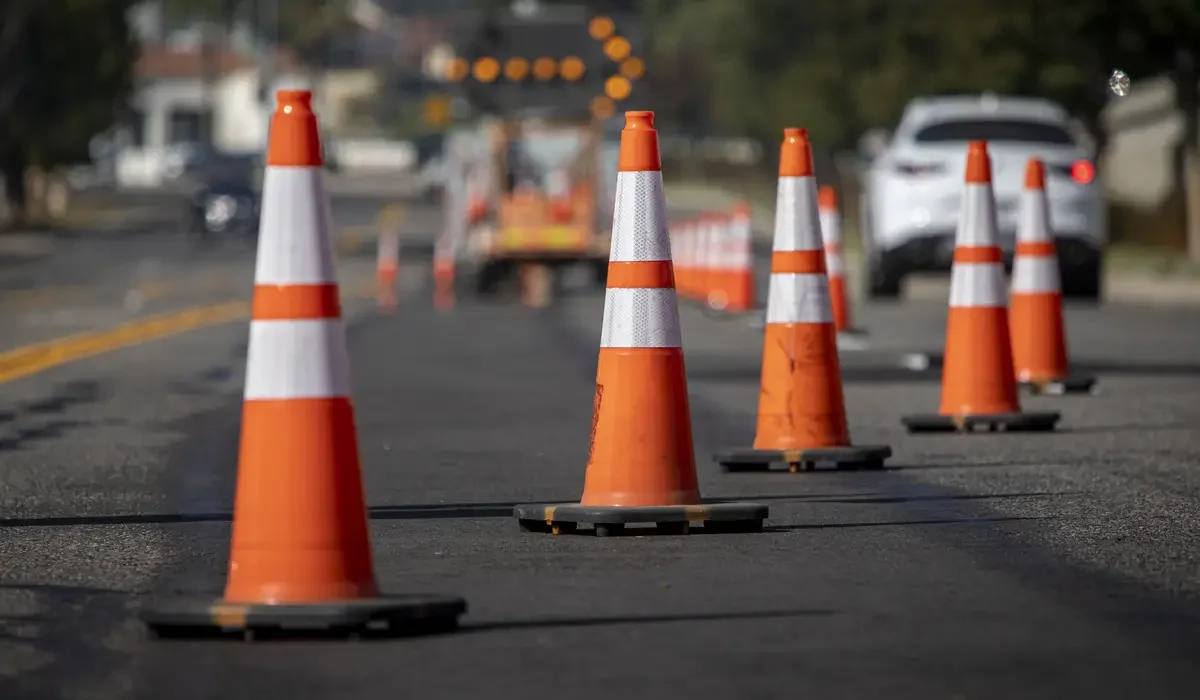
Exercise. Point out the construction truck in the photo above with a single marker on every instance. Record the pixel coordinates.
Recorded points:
(540, 177)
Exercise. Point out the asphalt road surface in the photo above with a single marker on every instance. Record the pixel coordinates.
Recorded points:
(983, 566)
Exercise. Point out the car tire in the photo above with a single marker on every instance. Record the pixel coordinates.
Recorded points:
(1083, 282)
(884, 279)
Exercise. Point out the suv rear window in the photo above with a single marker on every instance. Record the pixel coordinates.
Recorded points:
(1010, 130)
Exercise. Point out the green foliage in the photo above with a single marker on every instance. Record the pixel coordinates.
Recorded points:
(841, 66)
(305, 26)
(68, 73)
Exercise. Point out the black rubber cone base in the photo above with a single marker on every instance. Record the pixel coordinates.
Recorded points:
(849, 458)
(392, 616)
(1039, 421)
(606, 521)
(1074, 384)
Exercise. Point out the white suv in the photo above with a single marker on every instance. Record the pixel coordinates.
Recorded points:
(911, 191)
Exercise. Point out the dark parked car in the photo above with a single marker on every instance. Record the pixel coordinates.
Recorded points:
(224, 208)
(225, 200)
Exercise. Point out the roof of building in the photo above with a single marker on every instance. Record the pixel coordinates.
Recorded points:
(163, 62)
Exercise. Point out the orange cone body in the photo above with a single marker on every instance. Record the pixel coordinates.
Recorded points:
(978, 377)
(679, 233)
(1039, 342)
(831, 230)
(641, 448)
(800, 405)
(387, 267)
(300, 525)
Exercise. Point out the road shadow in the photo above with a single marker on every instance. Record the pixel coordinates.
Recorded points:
(903, 523)
(567, 622)
(711, 371)
(469, 511)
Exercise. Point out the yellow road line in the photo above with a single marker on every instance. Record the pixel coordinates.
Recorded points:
(32, 359)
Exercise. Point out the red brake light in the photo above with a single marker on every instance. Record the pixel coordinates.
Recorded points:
(1083, 172)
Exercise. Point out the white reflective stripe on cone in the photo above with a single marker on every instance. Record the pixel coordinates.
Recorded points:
(977, 285)
(640, 219)
(292, 247)
(303, 359)
(742, 256)
(834, 265)
(1034, 274)
(1034, 226)
(977, 219)
(799, 298)
(797, 221)
(831, 227)
(640, 318)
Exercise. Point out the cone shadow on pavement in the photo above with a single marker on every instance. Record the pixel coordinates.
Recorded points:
(300, 557)
(1039, 338)
(641, 465)
(979, 386)
(801, 408)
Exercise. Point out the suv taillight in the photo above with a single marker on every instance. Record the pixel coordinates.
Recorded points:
(1083, 172)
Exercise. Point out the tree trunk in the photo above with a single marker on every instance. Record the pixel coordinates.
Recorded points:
(1187, 96)
(12, 170)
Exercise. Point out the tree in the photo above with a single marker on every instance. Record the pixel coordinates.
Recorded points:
(308, 27)
(68, 73)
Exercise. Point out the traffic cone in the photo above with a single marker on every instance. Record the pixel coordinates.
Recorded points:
(831, 230)
(683, 257)
(387, 267)
(641, 465)
(718, 262)
(1039, 341)
(444, 297)
(979, 387)
(300, 556)
(801, 410)
(740, 284)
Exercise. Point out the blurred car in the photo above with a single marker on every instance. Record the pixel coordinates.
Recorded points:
(912, 189)
(224, 207)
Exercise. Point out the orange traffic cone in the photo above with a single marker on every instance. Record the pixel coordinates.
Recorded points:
(301, 554)
(718, 262)
(444, 296)
(979, 387)
(741, 265)
(1039, 341)
(831, 230)
(801, 411)
(641, 466)
(684, 258)
(387, 268)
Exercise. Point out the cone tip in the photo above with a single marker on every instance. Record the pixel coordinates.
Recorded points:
(1035, 175)
(979, 165)
(641, 119)
(826, 197)
(294, 139)
(795, 155)
(793, 134)
(289, 100)
(639, 144)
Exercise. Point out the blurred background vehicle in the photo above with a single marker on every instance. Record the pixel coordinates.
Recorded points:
(912, 191)
(224, 199)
